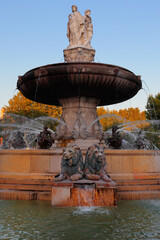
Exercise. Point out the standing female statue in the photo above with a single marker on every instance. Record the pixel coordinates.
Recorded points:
(75, 30)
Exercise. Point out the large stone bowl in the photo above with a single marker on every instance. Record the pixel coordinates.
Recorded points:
(108, 83)
(79, 88)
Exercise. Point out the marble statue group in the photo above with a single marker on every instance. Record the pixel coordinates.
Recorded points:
(79, 29)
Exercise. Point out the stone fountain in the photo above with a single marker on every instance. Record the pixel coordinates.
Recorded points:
(79, 85)
(74, 171)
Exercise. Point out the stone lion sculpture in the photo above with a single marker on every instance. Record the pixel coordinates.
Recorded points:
(72, 165)
(95, 164)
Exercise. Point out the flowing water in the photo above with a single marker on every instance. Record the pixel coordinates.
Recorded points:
(130, 220)
(30, 128)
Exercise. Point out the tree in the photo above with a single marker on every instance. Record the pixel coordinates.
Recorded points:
(108, 118)
(153, 107)
(25, 107)
(128, 117)
(153, 113)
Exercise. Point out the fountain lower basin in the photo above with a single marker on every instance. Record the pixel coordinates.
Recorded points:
(29, 174)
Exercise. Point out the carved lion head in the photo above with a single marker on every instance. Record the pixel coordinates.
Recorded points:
(97, 152)
(72, 156)
(95, 158)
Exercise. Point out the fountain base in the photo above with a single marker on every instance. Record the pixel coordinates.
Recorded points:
(84, 193)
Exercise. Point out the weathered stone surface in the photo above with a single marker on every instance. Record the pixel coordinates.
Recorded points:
(60, 196)
(95, 164)
(90, 80)
(84, 193)
(43, 164)
(17, 195)
(71, 165)
(79, 54)
(78, 116)
(74, 190)
(38, 168)
(79, 88)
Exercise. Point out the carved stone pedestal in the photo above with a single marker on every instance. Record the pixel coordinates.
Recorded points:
(79, 119)
(79, 54)
(82, 143)
(84, 193)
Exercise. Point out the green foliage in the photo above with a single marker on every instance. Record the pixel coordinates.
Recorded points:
(153, 134)
(153, 107)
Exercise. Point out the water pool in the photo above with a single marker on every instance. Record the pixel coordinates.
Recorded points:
(39, 220)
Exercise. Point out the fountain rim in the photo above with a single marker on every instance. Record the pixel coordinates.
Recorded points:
(76, 63)
(115, 74)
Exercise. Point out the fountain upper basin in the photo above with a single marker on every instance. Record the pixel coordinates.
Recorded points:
(108, 83)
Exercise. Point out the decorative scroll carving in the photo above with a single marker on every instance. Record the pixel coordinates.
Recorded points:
(61, 129)
(80, 128)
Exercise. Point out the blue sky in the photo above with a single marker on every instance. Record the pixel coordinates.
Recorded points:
(126, 33)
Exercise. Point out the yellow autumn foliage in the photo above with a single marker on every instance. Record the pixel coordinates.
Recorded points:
(25, 107)
(129, 118)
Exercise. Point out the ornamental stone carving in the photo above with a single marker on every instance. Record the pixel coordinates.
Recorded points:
(79, 54)
(61, 129)
(80, 128)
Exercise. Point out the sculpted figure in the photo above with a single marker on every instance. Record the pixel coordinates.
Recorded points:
(18, 141)
(71, 165)
(75, 29)
(80, 28)
(88, 28)
(95, 164)
(140, 142)
(45, 138)
(116, 140)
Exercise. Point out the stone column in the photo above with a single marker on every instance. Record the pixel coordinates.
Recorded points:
(79, 119)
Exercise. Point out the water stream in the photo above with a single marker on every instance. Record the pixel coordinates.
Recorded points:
(30, 128)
